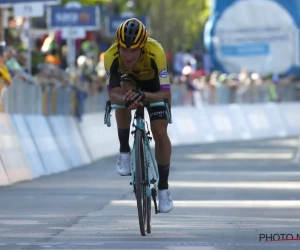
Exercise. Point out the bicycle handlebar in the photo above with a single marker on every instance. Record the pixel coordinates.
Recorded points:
(109, 107)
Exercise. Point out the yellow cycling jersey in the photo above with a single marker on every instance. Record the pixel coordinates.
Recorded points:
(152, 65)
(4, 74)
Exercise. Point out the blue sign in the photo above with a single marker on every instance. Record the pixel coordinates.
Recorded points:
(115, 21)
(12, 2)
(245, 50)
(84, 17)
(243, 34)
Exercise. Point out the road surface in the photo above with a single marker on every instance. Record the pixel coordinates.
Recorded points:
(226, 196)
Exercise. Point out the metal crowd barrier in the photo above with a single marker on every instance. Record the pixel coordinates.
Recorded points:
(23, 97)
(31, 98)
(222, 94)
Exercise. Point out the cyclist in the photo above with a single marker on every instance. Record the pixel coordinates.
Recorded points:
(137, 61)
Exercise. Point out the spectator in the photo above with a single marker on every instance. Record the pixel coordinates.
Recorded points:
(5, 79)
(188, 57)
(273, 89)
(49, 43)
(178, 63)
(188, 77)
(14, 67)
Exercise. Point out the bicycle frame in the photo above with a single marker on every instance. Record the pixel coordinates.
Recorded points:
(140, 125)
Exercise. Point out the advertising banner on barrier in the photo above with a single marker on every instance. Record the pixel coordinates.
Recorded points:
(52, 157)
(276, 119)
(191, 126)
(30, 149)
(260, 124)
(4, 181)
(72, 125)
(222, 123)
(240, 124)
(11, 153)
(101, 140)
(290, 113)
(68, 141)
(66, 144)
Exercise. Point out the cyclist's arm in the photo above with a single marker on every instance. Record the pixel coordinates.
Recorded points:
(116, 95)
(158, 96)
(159, 63)
(113, 80)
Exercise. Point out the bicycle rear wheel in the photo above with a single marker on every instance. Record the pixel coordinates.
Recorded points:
(141, 181)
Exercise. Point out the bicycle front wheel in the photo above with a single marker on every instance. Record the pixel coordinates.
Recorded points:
(141, 181)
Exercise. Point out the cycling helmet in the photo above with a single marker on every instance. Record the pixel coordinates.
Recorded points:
(131, 34)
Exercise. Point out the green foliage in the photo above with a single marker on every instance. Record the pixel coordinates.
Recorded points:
(174, 23)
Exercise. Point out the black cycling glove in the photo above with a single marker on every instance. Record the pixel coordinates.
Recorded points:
(140, 94)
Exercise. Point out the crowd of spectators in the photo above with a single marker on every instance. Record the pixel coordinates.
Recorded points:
(195, 83)
(192, 77)
(49, 61)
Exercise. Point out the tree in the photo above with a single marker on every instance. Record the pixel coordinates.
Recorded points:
(173, 22)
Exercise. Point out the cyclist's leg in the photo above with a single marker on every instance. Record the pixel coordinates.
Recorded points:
(123, 118)
(163, 151)
(163, 148)
(159, 125)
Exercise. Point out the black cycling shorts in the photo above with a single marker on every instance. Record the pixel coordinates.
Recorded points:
(152, 86)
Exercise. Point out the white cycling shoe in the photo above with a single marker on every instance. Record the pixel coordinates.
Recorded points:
(124, 164)
(165, 203)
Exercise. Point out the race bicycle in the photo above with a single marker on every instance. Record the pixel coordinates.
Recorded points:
(144, 170)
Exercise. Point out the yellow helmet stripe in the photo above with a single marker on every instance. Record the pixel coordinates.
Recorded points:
(123, 31)
(117, 35)
(144, 41)
(139, 32)
(135, 46)
(144, 35)
(122, 44)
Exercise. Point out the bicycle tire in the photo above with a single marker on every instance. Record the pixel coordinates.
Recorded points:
(148, 215)
(140, 177)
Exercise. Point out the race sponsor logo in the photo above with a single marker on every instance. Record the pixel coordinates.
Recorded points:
(163, 73)
(158, 113)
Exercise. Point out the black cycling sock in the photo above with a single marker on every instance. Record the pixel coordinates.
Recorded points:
(123, 135)
(163, 171)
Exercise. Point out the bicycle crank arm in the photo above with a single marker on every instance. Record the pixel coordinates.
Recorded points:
(154, 200)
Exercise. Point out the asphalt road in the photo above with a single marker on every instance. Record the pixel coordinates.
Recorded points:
(226, 196)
